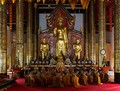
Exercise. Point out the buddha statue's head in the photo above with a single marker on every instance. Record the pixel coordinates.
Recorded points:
(77, 41)
(44, 40)
(60, 20)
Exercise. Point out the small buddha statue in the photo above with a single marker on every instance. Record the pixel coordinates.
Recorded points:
(60, 63)
(44, 48)
(77, 48)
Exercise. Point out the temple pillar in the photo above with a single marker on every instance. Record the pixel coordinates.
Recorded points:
(104, 26)
(35, 32)
(92, 31)
(86, 34)
(4, 39)
(117, 40)
(19, 32)
(101, 31)
(0, 38)
(29, 33)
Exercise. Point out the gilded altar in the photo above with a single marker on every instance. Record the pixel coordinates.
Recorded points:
(68, 22)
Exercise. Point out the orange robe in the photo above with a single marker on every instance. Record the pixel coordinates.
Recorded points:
(85, 79)
(66, 79)
(75, 81)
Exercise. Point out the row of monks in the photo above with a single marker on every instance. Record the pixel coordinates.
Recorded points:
(53, 77)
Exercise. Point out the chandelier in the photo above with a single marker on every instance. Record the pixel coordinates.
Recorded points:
(84, 3)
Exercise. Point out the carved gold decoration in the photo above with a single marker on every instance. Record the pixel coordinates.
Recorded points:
(10, 16)
(73, 3)
(29, 0)
(35, 5)
(13, 1)
(2, 1)
(43, 1)
(57, 1)
(63, 1)
(38, 1)
(85, 3)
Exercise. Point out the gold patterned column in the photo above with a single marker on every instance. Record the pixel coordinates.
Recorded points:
(4, 38)
(29, 33)
(0, 38)
(19, 32)
(117, 40)
(104, 12)
(101, 30)
(86, 34)
(92, 32)
(35, 31)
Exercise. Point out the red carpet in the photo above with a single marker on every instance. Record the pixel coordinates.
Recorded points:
(103, 87)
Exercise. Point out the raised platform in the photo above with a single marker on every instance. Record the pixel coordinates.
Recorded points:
(6, 83)
(65, 65)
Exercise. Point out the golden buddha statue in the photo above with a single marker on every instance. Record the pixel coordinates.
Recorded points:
(77, 48)
(44, 48)
(61, 33)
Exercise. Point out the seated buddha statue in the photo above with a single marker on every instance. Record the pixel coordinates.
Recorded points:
(60, 63)
(44, 48)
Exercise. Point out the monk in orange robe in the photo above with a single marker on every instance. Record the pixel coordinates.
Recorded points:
(75, 81)
(85, 79)
(66, 79)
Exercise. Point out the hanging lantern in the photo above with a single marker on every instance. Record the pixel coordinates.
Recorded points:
(30, 0)
(2, 1)
(43, 1)
(73, 3)
(63, 1)
(85, 3)
(57, 1)
(13, 1)
(110, 17)
(38, 1)
(10, 16)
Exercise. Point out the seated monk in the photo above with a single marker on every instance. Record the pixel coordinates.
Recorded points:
(105, 79)
(48, 76)
(66, 79)
(27, 79)
(59, 80)
(38, 78)
(53, 80)
(80, 77)
(32, 79)
(85, 78)
(75, 81)
(44, 79)
(101, 76)
(90, 77)
(97, 78)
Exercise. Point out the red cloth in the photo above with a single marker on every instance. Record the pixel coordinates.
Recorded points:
(16, 69)
(1, 80)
